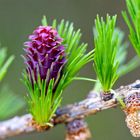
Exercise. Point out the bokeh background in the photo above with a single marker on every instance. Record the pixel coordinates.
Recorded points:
(18, 18)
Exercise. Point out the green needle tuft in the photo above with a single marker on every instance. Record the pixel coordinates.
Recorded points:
(133, 22)
(106, 46)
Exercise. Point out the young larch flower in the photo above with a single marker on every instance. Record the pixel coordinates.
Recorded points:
(45, 56)
(44, 59)
(52, 63)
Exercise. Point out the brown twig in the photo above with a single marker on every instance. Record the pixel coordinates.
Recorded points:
(91, 105)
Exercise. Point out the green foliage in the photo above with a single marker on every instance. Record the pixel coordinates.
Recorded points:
(124, 67)
(122, 50)
(76, 51)
(129, 66)
(106, 47)
(8, 99)
(42, 103)
(10, 103)
(133, 23)
(4, 65)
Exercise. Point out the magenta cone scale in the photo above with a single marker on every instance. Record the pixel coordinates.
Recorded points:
(45, 56)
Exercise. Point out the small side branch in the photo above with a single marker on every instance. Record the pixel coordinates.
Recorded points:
(91, 105)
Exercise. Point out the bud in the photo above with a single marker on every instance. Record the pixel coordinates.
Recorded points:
(132, 112)
(77, 130)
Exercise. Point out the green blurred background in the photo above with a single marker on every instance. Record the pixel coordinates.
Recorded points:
(18, 18)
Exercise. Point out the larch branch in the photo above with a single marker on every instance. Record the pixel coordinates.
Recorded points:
(91, 105)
